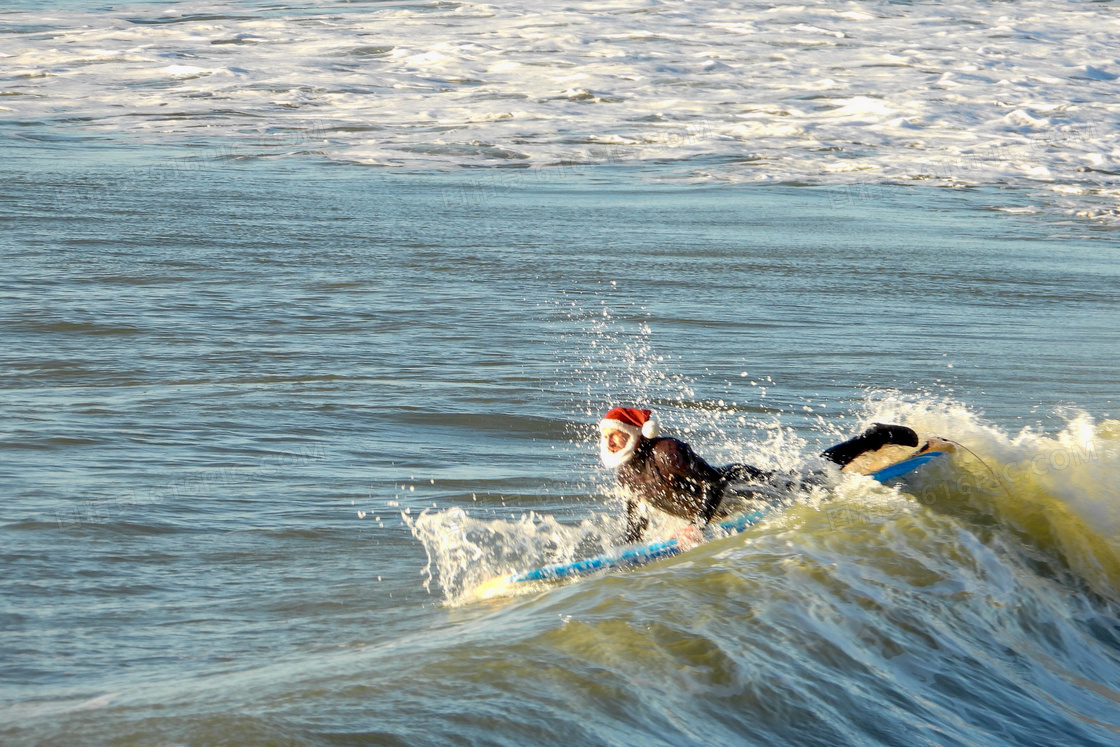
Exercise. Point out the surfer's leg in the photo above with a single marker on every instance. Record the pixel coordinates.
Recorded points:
(747, 488)
(875, 437)
(743, 473)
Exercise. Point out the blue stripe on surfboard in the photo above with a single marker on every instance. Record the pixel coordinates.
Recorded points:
(632, 556)
(906, 465)
(668, 548)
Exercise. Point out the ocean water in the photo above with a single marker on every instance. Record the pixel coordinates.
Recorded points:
(302, 338)
(961, 94)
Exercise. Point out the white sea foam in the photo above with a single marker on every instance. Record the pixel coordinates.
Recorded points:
(829, 92)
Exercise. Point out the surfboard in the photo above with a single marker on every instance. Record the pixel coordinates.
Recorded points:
(633, 555)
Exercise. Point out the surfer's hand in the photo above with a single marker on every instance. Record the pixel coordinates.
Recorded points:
(688, 538)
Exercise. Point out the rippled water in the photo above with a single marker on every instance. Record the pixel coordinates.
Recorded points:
(223, 389)
(268, 414)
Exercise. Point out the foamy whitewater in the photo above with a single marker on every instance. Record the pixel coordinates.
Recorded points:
(1020, 95)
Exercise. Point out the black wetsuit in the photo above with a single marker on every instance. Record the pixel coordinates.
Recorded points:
(668, 475)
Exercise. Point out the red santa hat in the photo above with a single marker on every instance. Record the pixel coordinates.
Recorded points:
(629, 420)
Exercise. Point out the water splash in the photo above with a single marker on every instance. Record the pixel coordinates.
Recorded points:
(463, 552)
(1054, 493)
(1057, 492)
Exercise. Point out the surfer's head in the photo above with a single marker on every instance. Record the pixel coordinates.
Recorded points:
(620, 430)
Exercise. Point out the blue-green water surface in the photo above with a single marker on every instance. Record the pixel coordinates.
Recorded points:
(230, 384)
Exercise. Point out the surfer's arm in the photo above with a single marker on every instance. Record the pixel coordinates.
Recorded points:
(712, 494)
(635, 523)
(689, 536)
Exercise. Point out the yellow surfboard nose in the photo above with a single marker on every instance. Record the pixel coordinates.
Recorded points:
(495, 587)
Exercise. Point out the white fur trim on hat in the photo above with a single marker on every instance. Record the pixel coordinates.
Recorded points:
(618, 425)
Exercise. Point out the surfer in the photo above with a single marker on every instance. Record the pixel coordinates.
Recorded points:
(668, 475)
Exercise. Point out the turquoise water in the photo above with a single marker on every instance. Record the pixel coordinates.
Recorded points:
(231, 384)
